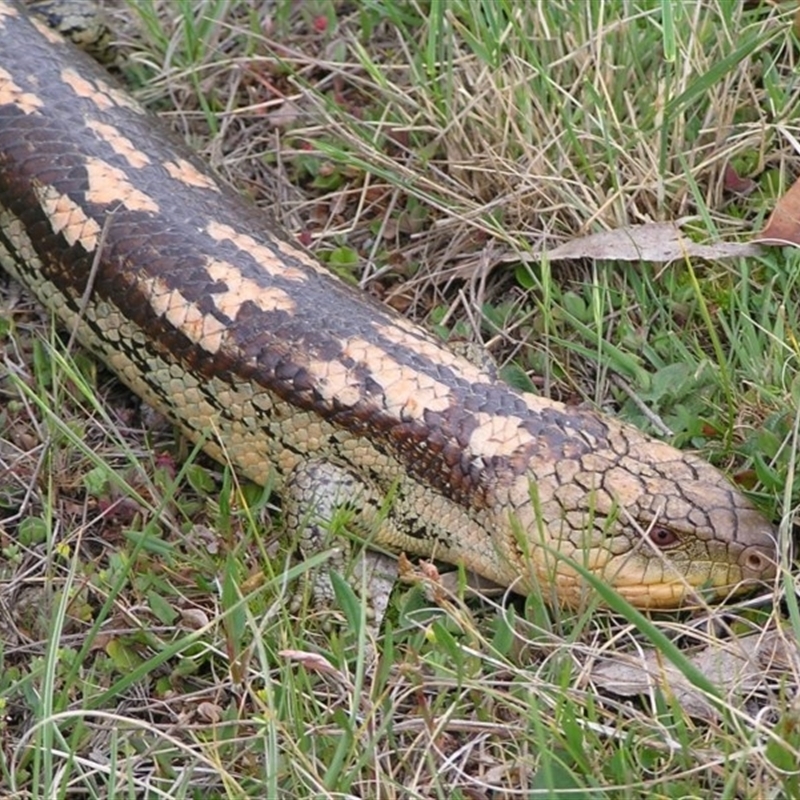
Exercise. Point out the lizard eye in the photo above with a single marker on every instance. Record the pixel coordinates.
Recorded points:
(662, 537)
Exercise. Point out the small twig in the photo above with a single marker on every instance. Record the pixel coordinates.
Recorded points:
(659, 423)
(87, 292)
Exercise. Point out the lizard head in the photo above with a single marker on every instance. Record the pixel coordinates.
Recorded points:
(662, 527)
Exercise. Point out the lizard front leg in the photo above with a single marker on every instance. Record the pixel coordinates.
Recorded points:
(326, 505)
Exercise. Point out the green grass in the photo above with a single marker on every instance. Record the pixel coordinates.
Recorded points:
(427, 151)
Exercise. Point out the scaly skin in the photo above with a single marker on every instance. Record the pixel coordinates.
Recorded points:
(250, 345)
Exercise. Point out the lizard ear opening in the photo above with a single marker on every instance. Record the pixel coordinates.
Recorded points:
(662, 537)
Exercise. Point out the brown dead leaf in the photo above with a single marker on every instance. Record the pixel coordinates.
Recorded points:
(194, 618)
(659, 242)
(209, 712)
(425, 573)
(313, 662)
(738, 667)
(405, 568)
(783, 225)
(734, 182)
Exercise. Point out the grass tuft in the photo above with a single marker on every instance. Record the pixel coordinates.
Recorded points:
(429, 152)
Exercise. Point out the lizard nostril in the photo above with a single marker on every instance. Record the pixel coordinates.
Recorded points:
(754, 561)
(759, 564)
